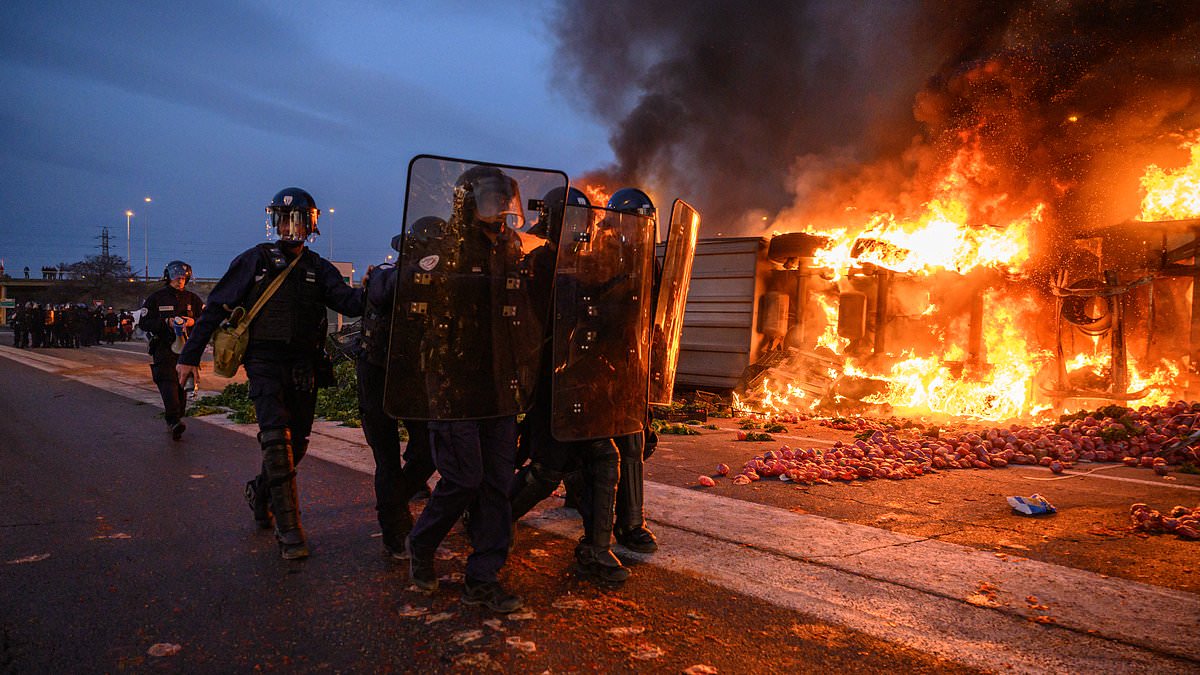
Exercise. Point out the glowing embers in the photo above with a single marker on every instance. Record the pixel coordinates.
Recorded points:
(1173, 194)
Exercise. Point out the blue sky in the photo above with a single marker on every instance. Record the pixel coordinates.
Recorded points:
(209, 108)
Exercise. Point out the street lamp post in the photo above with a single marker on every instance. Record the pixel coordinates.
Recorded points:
(128, 215)
(147, 242)
(330, 238)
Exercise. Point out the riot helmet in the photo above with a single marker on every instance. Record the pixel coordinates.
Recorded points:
(177, 269)
(488, 195)
(423, 231)
(630, 200)
(551, 209)
(293, 214)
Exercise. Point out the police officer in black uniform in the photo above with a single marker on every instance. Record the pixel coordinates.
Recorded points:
(475, 457)
(285, 361)
(630, 528)
(170, 311)
(396, 482)
(21, 324)
(552, 461)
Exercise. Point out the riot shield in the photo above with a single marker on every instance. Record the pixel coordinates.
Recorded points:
(601, 327)
(672, 291)
(465, 335)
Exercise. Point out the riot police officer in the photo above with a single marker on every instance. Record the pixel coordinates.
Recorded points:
(461, 309)
(22, 324)
(169, 313)
(551, 460)
(285, 360)
(630, 528)
(395, 482)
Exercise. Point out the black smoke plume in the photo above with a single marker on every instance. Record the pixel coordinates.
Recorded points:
(776, 114)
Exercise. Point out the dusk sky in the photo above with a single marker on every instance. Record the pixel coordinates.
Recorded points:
(210, 108)
(767, 116)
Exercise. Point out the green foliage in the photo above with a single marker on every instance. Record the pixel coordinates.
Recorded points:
(693, 423)
(720, 414)
(758, 436)
(775, 429)
(678, 430)
(711, 426)
(1114, 433)
(200, 410)
(234, 398)
(748, 423)
(340, 403)
(864, 434)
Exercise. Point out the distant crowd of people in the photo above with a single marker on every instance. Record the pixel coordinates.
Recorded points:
(37, 325)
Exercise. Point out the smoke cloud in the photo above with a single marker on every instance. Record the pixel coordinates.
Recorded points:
(777, 114)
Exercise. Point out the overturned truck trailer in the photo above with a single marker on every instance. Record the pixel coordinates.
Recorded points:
(771, 320)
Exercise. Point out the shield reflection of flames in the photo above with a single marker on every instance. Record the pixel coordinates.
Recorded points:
(1173, 194)
(597, 194)
(943, 238)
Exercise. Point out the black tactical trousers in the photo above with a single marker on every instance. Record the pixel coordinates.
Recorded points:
(285, 397)
(162, 370)
(475, 459)
(395, 482)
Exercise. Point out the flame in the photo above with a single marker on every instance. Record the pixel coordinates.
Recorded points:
(1173, 194)
(939, 238)
(829, 337)
(597, 194)
(936, 375)
(927, 384)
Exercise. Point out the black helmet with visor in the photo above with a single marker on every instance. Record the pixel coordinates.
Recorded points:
(293, 214)
(177, 269)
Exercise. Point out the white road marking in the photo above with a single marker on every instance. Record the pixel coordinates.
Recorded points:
(33, 359)
(1080, 474)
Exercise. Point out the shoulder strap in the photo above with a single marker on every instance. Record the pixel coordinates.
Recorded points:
(262, 299)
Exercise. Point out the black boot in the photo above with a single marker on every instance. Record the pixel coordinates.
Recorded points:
(593, 556)
(599, 564)
(530, 486)
(395, 522)
(631, 531)
(258, 497)
(281, 472)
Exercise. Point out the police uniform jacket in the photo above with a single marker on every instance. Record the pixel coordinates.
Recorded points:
(163, 305)
(292, 322)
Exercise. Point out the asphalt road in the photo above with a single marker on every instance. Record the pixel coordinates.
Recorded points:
(114, 539)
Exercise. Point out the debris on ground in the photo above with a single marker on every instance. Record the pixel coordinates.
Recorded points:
(1033, 505)
(164, 649)
(1152, 437)
(1180, 520)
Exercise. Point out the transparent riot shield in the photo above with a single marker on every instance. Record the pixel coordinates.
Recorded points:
(601, 327)
(466, 333)
(682, 234)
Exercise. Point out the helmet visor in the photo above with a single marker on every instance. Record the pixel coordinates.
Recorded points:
(179, 271)
(498, 200)
(293, 224)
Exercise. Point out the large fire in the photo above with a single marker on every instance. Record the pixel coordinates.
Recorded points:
(1003, 365)
(1173, 194)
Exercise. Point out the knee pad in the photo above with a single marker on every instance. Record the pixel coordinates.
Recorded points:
(274, 437)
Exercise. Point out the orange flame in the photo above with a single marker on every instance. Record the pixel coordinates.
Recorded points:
(1173, 194)
(998, 384)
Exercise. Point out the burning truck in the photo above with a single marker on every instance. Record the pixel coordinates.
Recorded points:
(938, 314)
